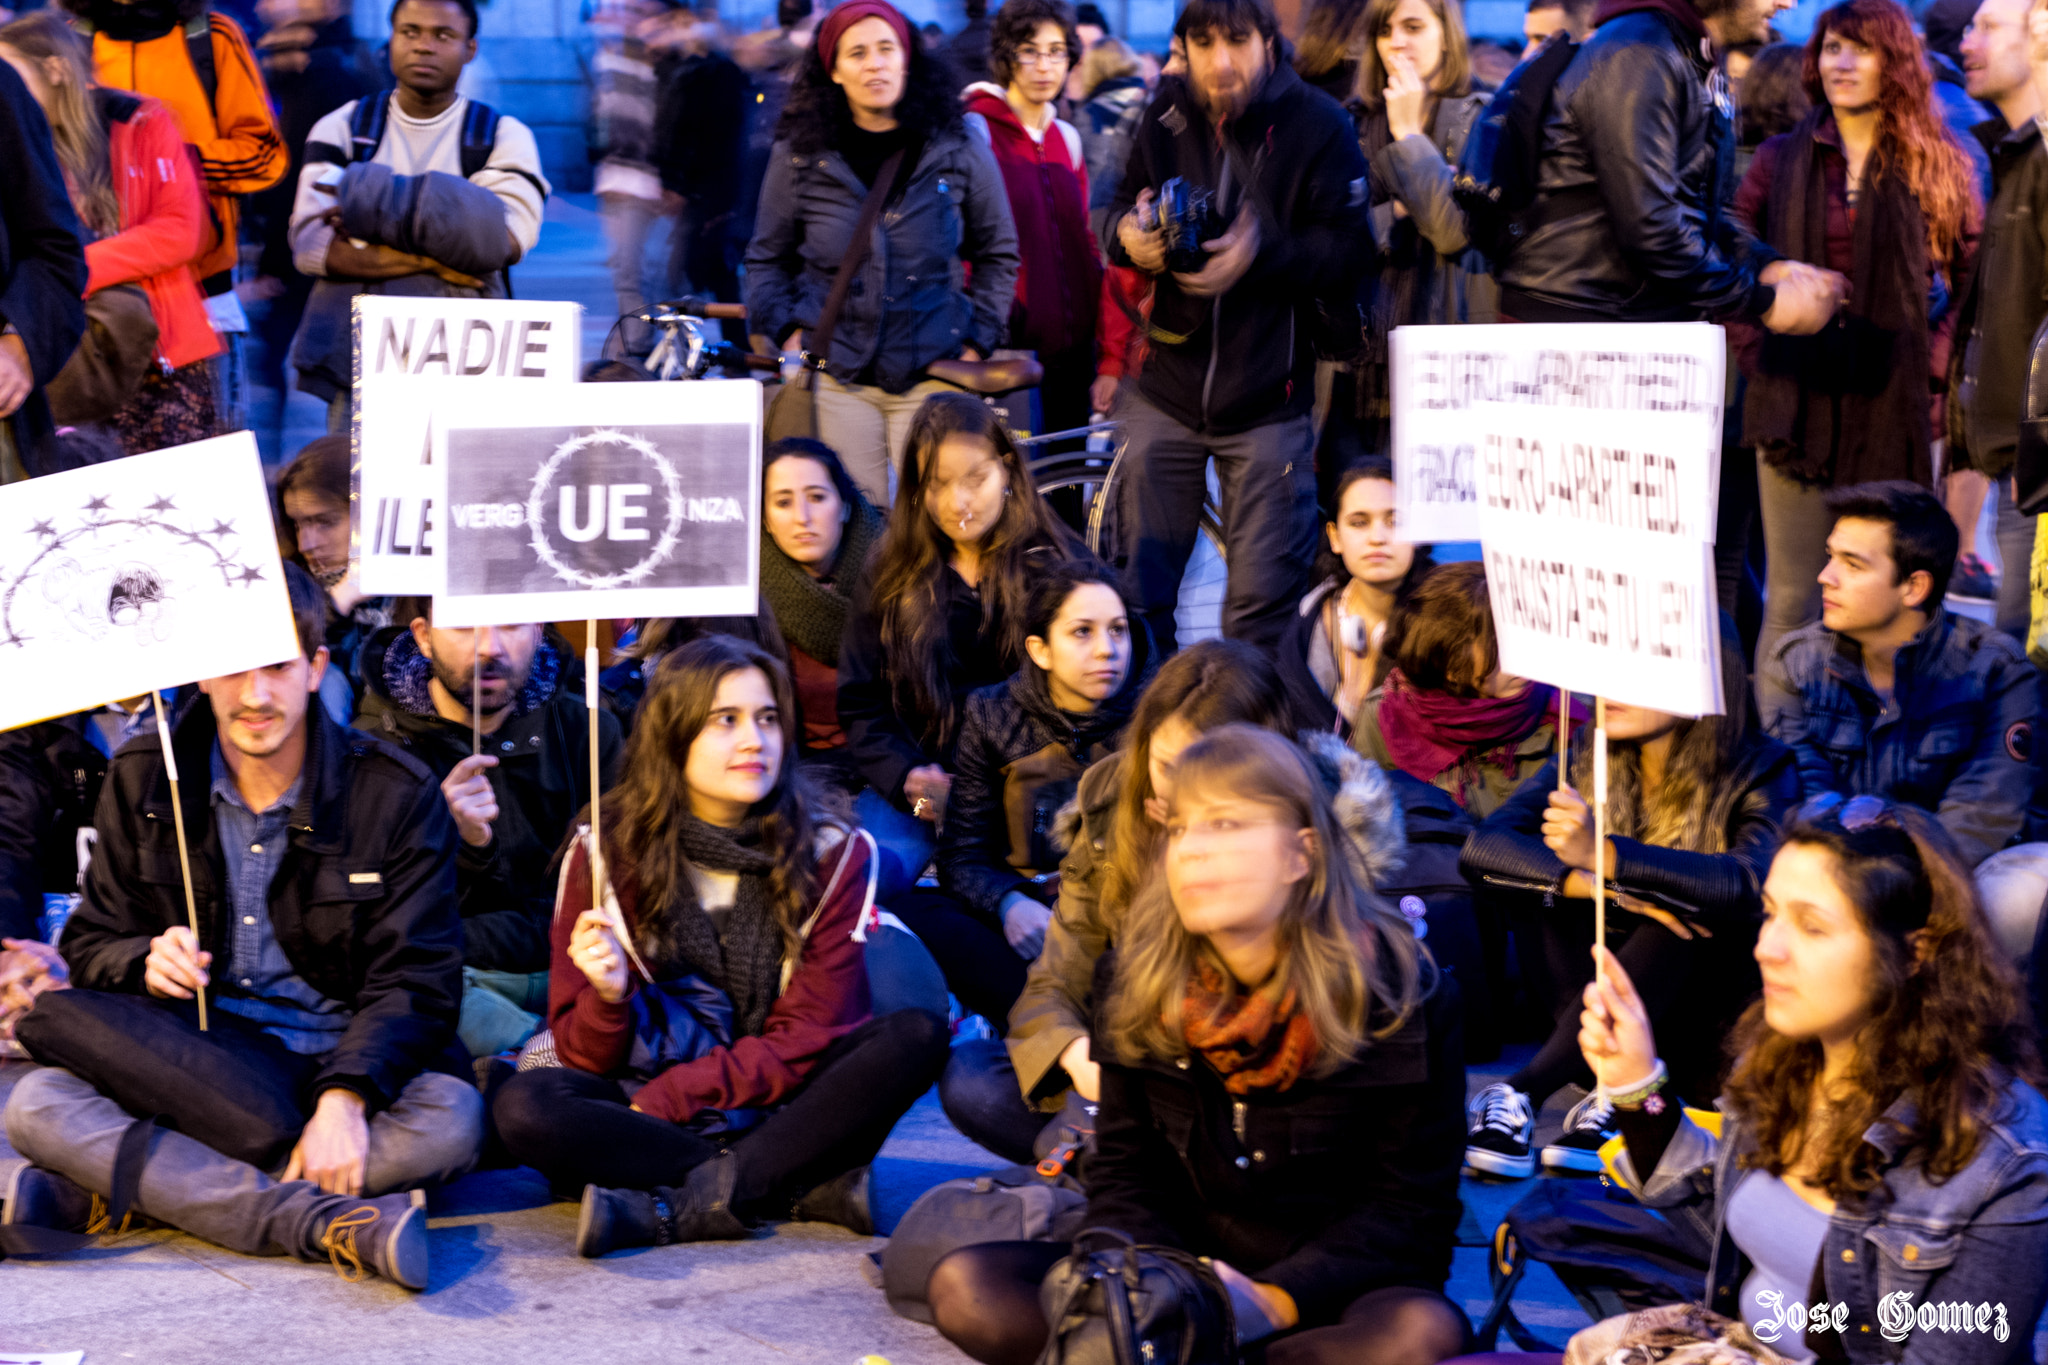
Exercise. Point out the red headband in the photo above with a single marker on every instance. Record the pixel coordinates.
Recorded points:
(845, 15)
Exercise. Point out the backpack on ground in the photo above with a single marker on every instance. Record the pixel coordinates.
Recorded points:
(1009, 1204)
(1497, 173)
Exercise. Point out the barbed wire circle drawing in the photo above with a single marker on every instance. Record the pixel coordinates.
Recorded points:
(106, 570)
(544, 479)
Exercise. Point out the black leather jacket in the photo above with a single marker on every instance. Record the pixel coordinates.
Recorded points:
(1628, 224)
(1751, 803)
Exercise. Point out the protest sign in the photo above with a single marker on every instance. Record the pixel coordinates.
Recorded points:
(600, 500)
(1594, 453)
(138, 574)
(410, 352)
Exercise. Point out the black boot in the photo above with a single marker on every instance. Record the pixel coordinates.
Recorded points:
(386, 1235)
(843, 1200)
(698, 1210)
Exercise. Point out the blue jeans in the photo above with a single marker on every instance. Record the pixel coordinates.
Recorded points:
(902, 974)
(906, 843)
(980, 1094)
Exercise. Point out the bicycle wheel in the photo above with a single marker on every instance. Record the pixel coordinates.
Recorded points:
(1198, 615)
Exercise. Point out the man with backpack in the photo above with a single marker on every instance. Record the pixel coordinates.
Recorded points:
(419, 191)
(1605, 165)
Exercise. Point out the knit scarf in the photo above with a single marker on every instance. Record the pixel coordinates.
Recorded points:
(1254, 1040)
(745, 960)
(1429, 732)
(812, 614)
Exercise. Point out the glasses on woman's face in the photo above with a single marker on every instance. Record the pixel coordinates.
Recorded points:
(1050, 56)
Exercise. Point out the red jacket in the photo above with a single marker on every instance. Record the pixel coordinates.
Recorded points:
(1060, 275)
(164, 225)
(826, 998)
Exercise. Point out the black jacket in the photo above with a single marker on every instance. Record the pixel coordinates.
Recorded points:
(505, 888)
(50, 777)
(1628, 223)
(42, 259)
(700, 125)
(2007, 299)
(1018, 763)
(363, 903)
(1331, 1188)
(1249, 358)
(1751, 803)
(881, 736)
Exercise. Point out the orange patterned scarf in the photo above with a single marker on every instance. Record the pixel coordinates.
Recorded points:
(1255, 1041)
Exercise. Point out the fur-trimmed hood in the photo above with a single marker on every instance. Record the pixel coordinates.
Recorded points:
(1368, 809)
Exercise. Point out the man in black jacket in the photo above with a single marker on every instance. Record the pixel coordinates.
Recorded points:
(2008, 295)
(42, 277)
(323, 873)
(513, 801)
(1231, 371)
(1628, 223)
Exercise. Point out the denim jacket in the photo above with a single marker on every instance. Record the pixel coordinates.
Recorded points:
(1957, 736)
(1979, 1237)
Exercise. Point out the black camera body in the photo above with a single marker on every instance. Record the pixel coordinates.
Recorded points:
(1185, 214)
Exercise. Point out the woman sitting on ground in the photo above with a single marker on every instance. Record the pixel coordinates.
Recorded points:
(740, 969)
(1882, 1133)
(1334, 651)
(1694, 809)
(938, 613)
(1281, 1087)
(1447, 712)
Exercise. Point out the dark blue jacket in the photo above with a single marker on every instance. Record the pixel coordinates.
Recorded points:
(1957, 736)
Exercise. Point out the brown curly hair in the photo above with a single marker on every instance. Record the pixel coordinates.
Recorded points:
(1947, 1027)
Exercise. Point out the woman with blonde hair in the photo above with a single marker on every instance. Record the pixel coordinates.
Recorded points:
(1281, 1086)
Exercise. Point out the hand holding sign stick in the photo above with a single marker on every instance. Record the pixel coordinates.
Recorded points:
(163, 735)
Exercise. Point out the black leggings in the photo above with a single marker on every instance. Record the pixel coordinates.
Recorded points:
(1695, 990)
(577, 1129)
(984, 1300)
(980, 965)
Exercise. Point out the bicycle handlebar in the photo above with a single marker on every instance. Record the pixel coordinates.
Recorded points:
(694, 307)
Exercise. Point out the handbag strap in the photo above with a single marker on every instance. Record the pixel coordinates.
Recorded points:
(820, 349)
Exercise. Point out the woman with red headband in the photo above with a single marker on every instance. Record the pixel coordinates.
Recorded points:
(871, 112)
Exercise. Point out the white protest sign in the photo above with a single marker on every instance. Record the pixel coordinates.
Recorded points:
(600, 500)
(410, 352)
(1595, 454)
(140, 573)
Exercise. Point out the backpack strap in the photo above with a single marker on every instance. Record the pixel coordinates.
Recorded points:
(199, 47)
(479, 137)
(366, 126)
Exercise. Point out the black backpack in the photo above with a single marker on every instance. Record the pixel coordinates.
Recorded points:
(1496, 180)
(373, 115)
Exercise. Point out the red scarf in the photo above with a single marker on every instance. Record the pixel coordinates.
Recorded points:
(1427, 733)
(1254, 1041)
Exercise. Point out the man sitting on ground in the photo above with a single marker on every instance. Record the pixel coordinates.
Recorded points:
(1889, 695)
(323, 866)
(513, 802)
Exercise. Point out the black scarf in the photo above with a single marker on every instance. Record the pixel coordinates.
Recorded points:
(811, 613)
(1849, 404)
(745, 961)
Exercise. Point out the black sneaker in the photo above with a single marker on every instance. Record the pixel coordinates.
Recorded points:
(1497, 1143)
(1586, 1129)
(1972, 580)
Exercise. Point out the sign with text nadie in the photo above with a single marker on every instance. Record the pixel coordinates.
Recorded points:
(1589, 456)
(409, 354)
(599, 500)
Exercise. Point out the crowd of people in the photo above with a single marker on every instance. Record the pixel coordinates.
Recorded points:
(1224, 922)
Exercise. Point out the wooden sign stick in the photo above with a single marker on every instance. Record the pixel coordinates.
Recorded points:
(1564, 739)
(476, 688)
(1600, 842)
(163, 735)
(596, 767)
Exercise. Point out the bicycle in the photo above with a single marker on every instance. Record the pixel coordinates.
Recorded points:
(684, 350)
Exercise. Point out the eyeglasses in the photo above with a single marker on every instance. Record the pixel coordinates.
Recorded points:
(1031, 56)
(1854, 814)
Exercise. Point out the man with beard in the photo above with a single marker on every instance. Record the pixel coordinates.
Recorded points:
(313, 517)
(327, 1080)
(513, 802)
(1231, 371)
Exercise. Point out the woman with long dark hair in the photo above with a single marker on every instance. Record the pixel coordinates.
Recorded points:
(1871, 183)
(868, 96)
(1882, 1145)
(718, 1063)
(1281, 1087)
(1694, 807)
(938, 613)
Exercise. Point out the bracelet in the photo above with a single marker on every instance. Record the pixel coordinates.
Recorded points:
(1639, 1095)
(918, 809)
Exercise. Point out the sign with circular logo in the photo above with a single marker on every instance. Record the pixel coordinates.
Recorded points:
(631, 507)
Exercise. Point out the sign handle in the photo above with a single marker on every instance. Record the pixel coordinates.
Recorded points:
(163, 735)
(1564, 738)
(1600, 843)
(476, 687)
(596, 766)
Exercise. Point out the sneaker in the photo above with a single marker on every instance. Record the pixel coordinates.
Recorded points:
(36, 1198)
(1586, 1129)
(1497, 1143)
(1973, 581)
